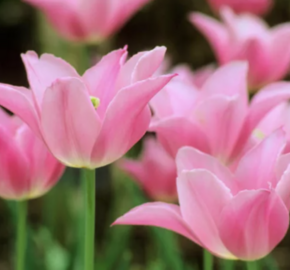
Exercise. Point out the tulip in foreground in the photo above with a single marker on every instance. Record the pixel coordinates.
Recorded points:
(88, 21)
(28, 169)
(242, 215)
(258, 7)
(92, 120)
(217, 118)
(155, 171)
(246, 37)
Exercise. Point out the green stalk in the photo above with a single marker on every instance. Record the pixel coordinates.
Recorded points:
(90, 193)
(252, 265)
(21, 235)
(207, 260)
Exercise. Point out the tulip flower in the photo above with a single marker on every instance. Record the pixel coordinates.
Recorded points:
(235, 216)
(88, 21)
(28, 169)
(92, 120)
(155, 171)
(216, 119)
(246, 37)
(258, 7)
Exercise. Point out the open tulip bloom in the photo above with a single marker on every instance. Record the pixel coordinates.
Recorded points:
(217, 119)
(246, 37)
(88, 21)
(241, 215)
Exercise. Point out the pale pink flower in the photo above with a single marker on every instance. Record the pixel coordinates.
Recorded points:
(90, 120)
(242, 215)
(246, 37)
(216, 119)
(258, 7)
(88, 21)
(155, 171)
(28, 170)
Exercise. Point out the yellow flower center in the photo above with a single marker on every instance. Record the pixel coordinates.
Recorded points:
(95, 101)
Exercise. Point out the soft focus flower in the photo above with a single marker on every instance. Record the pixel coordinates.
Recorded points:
(243, 216)
(246, 37)
(258, 7)
(90, 120)
(28, 170)
(217, 118)
(88, 21)
(155, 171)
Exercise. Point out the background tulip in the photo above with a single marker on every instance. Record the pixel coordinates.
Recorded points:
(155, 171)
(89, 21)
(242, 215)
(246, 37)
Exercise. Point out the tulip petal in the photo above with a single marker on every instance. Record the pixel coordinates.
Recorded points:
(283, 187)
(101, 79)
(69, 121)
(253, 223)
(175, 132)
(158, 214)
(126, 120)
(257, 167)
(202, 196)
(189, 158)
(14, 172)
(43, 71)
(140, 67)
(19, 101)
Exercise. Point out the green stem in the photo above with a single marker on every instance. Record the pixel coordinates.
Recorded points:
(252, 266)
(90, 193)
(207, 260)
(21, 235)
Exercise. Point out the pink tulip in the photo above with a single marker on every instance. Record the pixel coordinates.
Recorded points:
(27, 170)
(242, 215)
(91, 120)
(246, 37)
(88, 21)
(216, 119)
(258, 7)
(155, 171)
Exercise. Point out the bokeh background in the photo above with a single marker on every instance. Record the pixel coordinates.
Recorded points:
(56, 219)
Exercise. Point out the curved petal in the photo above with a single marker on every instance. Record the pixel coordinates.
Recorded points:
(128, 117)
(101, 79)
(19, 101)
(257, 167)
(158, 214)
(175, 132)
(70, 123)
(189, 158)
(202, 196)
(14, 171)
(43, 71)
(283, 187)
(253, 223)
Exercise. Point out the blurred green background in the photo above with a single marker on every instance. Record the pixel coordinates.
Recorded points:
(56, 219)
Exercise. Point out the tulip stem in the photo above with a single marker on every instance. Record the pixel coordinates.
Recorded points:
(252, 266)
(21, 235)
(90, 193)
(207, 260)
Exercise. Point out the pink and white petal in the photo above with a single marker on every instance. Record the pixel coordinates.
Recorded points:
(221, 118)
(158, 214)
(229, 80)
(134, 168)
(175, 132)
(253, 223)
(126, 120)
(43, 71)
(202, 197)
(257, 167)
(19, 101)
(283, 187)
(70, 123)
(15, 169)
(215, 32)
(282, 165)
(189, 158)
(101, 79)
